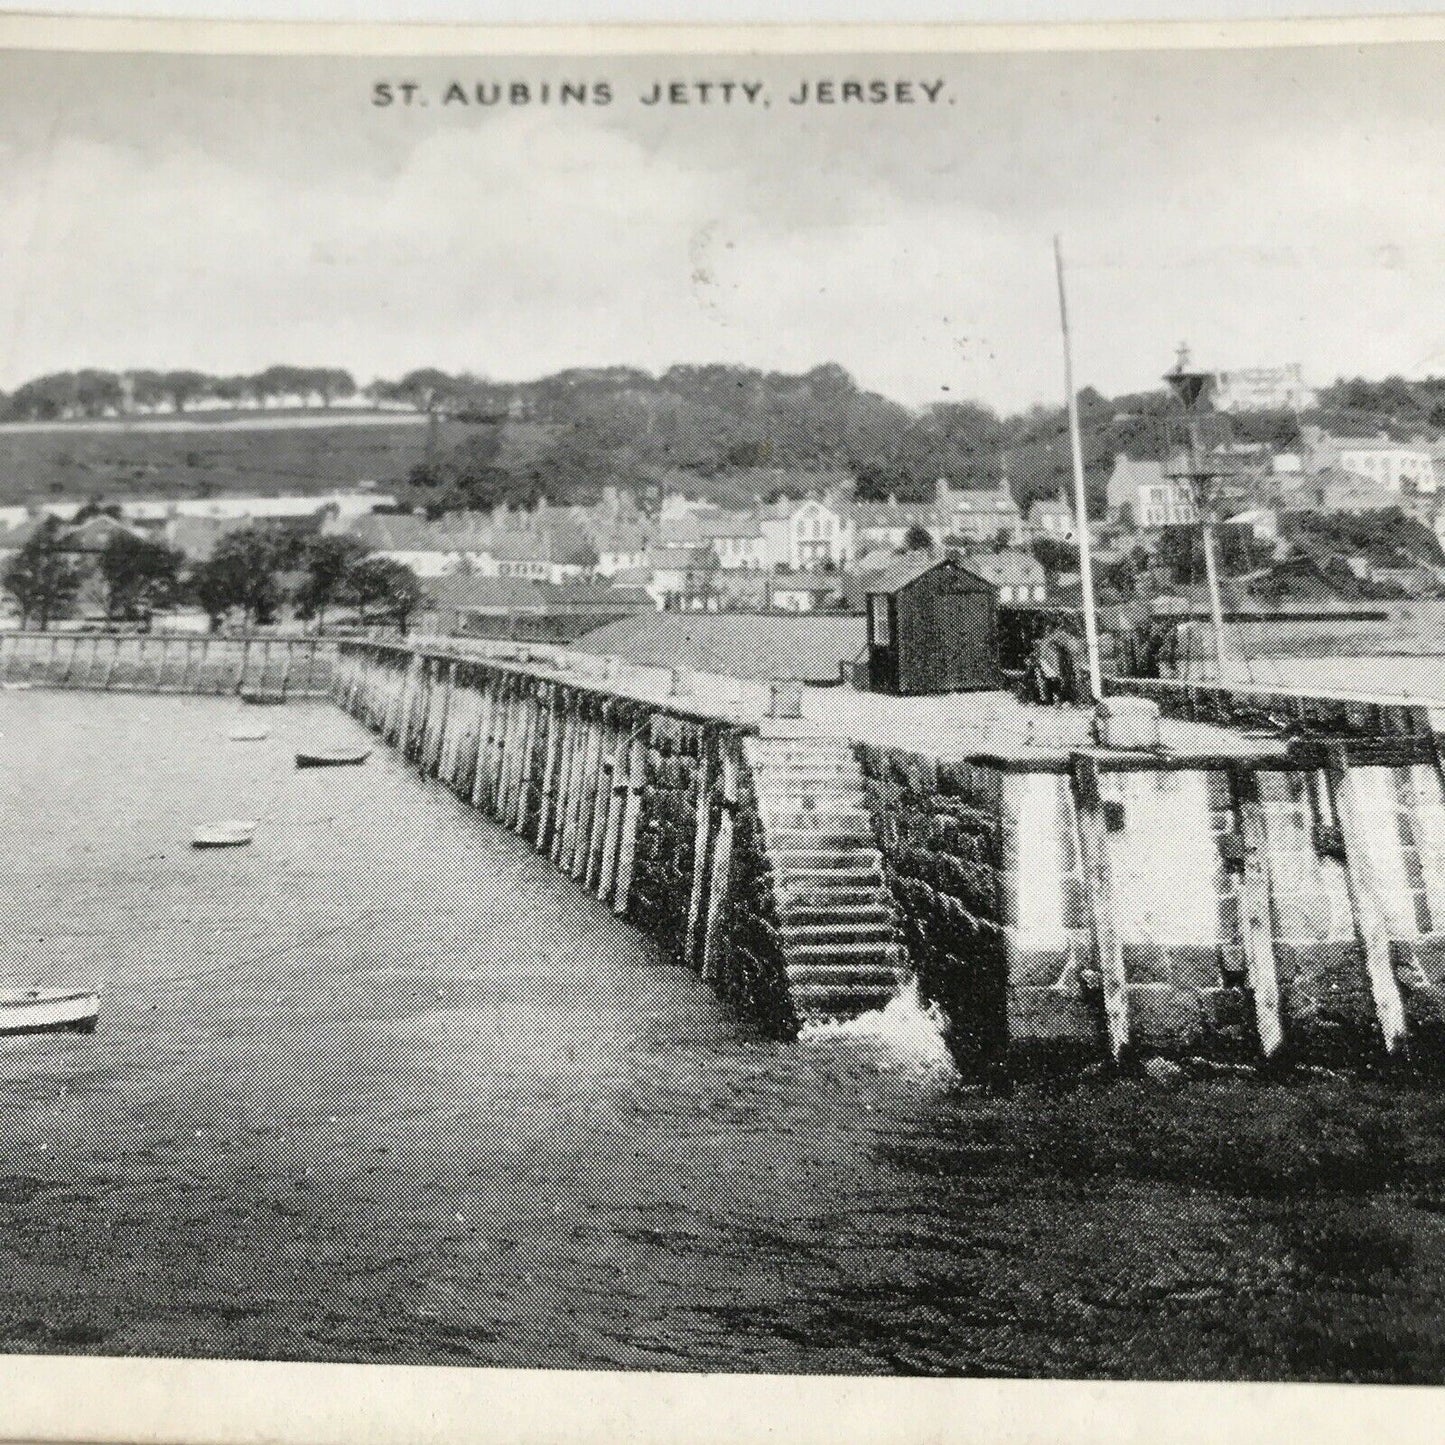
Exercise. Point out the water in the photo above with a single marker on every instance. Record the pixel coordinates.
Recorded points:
(384, 1086)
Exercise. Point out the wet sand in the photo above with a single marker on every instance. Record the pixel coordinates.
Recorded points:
(385, 1087)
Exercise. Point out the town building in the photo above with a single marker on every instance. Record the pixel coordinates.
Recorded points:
(1016, 577)
(980, 515)
(806, 535)
(1262, 388)
(1399, 466)
(1149, 495)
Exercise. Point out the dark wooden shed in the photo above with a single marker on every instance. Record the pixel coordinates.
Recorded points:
(932, 627)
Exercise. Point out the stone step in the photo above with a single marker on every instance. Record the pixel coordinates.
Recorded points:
(871, 950)
(785, 839)
(841, 999)
(827, 882)
(800, 913)
(815, 903)
(790, 785)
(804, 819)
(854, 975)
(839, 930)
(788, 859)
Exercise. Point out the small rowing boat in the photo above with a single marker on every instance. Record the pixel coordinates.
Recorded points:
(333, 758)
(233, 833)
(263, 699)
(48, 1010)
(249, 735)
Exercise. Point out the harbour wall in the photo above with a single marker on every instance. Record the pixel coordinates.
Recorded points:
(1096, 906)
(1288, 910)
(157, 662)
(1060, 909)
(647, 799)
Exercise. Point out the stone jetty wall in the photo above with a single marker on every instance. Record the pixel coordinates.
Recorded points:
(1291, 911)
(646, 804)
(1101, 906)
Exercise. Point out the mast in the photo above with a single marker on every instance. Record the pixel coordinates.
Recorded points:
(1081, 504)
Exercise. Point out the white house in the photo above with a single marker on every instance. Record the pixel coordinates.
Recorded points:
(1152, 496)
(806, 535)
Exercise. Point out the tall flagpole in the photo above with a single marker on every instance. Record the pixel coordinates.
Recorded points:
(1081, 502)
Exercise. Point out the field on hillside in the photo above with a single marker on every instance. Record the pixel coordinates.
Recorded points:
(79, 463)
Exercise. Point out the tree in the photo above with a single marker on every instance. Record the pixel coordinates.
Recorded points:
(328, 562)
(1054, 556)
(140, 575)
(240, 573)
(332, 384)
(385, 587)
(917, 539)
(43, 577)
(183, 387)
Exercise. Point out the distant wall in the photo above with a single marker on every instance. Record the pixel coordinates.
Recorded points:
(155, 662)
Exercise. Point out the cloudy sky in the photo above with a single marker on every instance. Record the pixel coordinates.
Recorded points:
(230, 213)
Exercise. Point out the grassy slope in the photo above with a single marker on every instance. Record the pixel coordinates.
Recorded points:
(79, 464)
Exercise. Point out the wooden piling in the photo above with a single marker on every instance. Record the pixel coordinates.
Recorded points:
(1107, 948)
(720, 875)
(702, 829)
(632, 813)
(1256, 914)
(1370, 916)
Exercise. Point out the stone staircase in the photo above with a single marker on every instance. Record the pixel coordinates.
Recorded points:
(840, 945)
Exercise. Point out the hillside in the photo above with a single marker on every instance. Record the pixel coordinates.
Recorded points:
(83, 461)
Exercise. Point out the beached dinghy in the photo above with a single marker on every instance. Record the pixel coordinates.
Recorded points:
(263, 699)
(234, 833)
(249, 735)
(332, 757)
(48, 1010)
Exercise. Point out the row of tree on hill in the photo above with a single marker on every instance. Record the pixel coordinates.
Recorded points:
(564, 437)
(253, 572)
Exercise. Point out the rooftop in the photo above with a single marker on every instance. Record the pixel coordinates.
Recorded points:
(810, 646)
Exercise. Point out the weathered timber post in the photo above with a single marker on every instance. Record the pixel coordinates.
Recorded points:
(601, 800)
(576, 783)
(631, 815)
(1370, 917)
(530, 716)
(502, 755)
(1256, 920)
(485, 723)
(616, 804)
(511, 753)
(573, 723)
(550, 767)
(720, 878)
(1108, 951)
(702, 832)
(591, 767)
(245, 662)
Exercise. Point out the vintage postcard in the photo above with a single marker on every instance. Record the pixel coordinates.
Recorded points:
(681, 706)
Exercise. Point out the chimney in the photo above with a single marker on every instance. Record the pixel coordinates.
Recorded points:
(941, 490)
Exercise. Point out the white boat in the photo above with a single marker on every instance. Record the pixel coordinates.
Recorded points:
(233, 833)
(48, 1010)
(250, 735)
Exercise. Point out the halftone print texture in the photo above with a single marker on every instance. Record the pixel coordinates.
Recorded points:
(677, 732)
